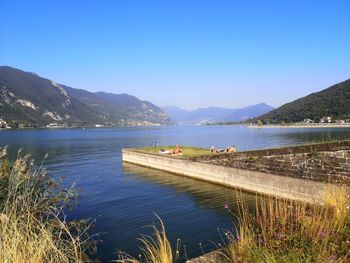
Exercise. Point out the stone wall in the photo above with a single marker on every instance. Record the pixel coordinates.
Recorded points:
(247, 179)
(326, 162)
(308, 148)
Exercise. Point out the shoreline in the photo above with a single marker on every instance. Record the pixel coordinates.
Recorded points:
(77, 127)
(301, 126)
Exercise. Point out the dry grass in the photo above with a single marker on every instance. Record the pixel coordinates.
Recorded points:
(33, 226)
(34, 229)
(24, 239)
(155, 249)
(289, 231)
(275, 231)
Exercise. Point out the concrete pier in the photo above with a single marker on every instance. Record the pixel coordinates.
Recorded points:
(301, 173)
(253, 181)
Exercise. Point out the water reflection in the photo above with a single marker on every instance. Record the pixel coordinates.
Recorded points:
(126, 197)
(315, 135)
(210, 198)
(206, 195)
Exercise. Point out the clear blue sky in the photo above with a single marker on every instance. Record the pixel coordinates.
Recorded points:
(189, 53)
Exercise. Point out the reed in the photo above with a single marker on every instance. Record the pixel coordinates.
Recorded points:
(276, 230)
(34, 227)
(281, 230)
(155, 249)
(33, 224)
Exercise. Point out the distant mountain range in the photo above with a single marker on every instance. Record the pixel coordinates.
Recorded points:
(333, 102)
(29, 100)
(215, 114)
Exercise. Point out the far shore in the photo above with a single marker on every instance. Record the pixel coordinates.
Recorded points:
(303, 126)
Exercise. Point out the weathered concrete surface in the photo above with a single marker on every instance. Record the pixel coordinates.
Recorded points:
(321, 166)
(254, 181)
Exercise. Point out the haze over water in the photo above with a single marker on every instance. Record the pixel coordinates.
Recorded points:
(124, 198)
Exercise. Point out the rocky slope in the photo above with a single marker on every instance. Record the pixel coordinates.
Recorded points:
(30, 100)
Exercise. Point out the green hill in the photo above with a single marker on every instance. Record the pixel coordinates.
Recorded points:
(333, 101)
(30, 100)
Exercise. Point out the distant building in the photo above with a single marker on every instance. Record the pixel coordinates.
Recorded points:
(326, 119)
(56, 125)
(340, 121)
(52, 125)
(3, 124)
(308, 121)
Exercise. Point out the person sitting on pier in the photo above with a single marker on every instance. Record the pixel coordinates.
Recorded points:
(231, 149)
(214, 150)
(163, 151)
(177, 150)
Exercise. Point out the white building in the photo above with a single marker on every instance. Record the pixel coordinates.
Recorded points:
(3, 124)
(308, 121)
(326, 119)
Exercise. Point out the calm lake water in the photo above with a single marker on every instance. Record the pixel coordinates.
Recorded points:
(124, 198)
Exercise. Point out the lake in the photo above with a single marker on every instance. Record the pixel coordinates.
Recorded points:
(125, 198)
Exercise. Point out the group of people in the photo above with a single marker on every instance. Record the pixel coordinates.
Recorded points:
(178, 151)
(229, 149)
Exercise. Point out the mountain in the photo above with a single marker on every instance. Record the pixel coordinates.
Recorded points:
(30, 100)
(333, 101)
(215, 114)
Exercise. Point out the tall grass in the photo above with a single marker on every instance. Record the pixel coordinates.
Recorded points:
(155, 249)
(34, 227)
(275, 231)
(282, 230)
(33, 224)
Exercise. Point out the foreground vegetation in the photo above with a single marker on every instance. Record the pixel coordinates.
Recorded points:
(34, 227)
(156, 249)
(33, 224)
(289, 231)
(277, 230)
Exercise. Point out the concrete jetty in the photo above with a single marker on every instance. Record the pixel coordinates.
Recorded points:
(297, 172)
